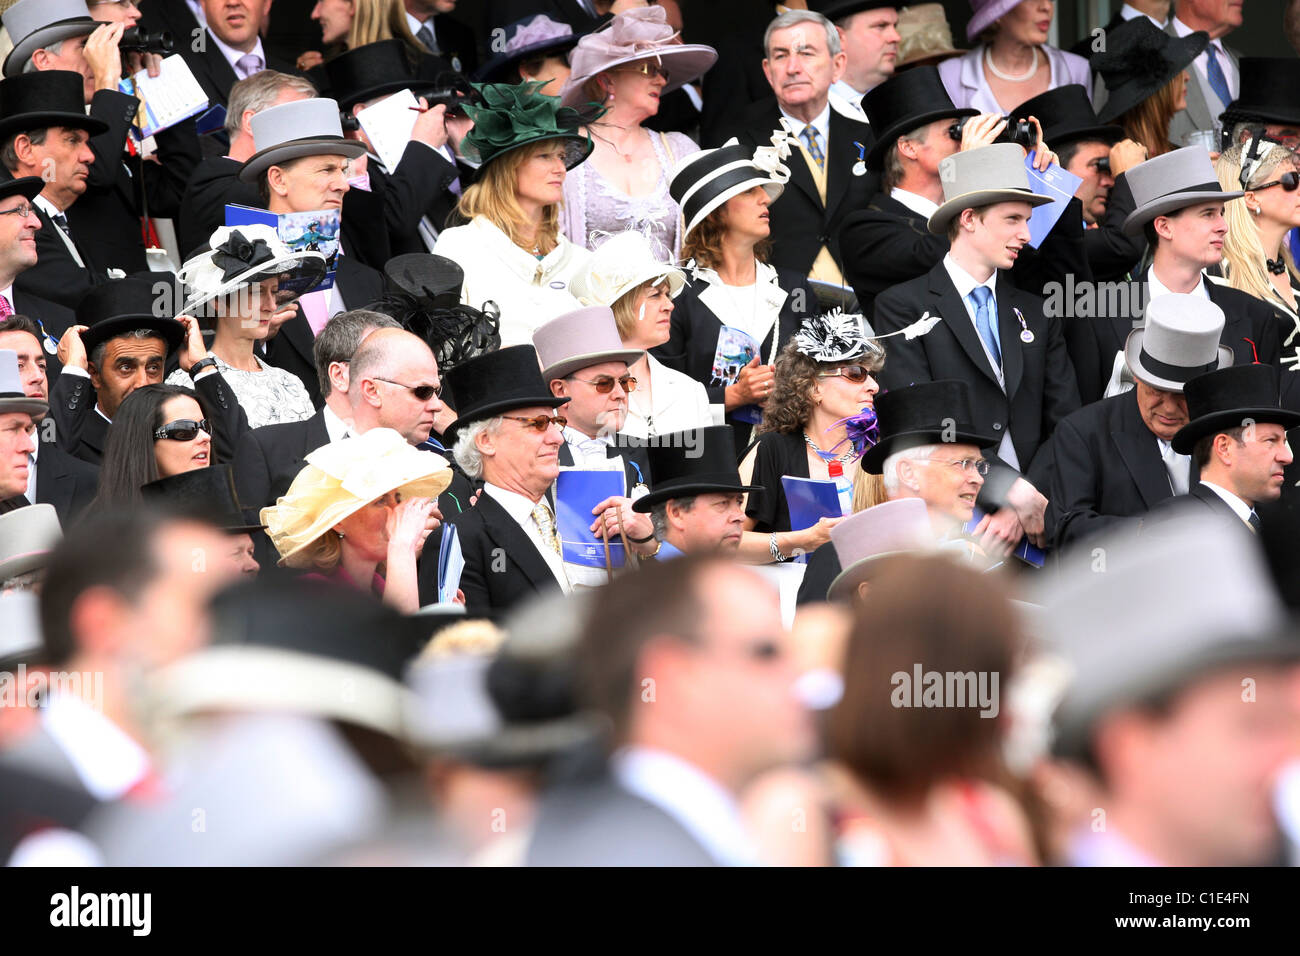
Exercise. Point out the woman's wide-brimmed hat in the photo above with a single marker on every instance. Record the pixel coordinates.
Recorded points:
(27, 536)
(701, 461)
(343, 477)
(1178, 340)
(981, 177)
(43, 99)
(1178, 179)
(532, 36)
(243, 255)
(294, 130)
(641, 33)
(1230, 398)
(580, 339)
(862, 539)
(115, 308)
(510, 116)
(904, 102)
(490, 385)
(208, 493)
(1139, 59)
(984, 12)
(926, 36)
(929, 413)
(621, 263)
(33, 24)
(705, 180)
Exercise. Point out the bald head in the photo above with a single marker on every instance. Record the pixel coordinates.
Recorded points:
(388, 370)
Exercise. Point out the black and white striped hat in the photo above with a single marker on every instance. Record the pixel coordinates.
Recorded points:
(705, 180)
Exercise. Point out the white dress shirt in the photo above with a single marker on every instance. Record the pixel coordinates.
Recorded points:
(521, 510)
(1178, 467)
(31, 472)
(233, 56)
(53, 211)
(335, 427)
(1202, 62)
(849, 99)
(914, 201)
(8, 294)
(696, 801)
(1156, 288)
(822, 124)
(1239, 507)
(966, 284)
(1131, 13)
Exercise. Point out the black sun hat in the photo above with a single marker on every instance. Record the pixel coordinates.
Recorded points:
(1139, 59)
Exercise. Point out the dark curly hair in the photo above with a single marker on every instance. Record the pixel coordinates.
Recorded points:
(790, 405)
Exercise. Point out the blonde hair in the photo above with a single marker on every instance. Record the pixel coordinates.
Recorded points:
(375, 20)
(493, 197)
(323, 554)
(1243, 253)
(625, 310)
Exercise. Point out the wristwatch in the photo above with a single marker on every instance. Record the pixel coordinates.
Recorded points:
(204, 363)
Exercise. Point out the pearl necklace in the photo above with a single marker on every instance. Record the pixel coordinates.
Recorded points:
(988, 60)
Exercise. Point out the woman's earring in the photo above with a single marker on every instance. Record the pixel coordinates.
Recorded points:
(1256, 210)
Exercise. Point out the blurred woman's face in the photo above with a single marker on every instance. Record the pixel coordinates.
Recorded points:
(553, 71)
(335, 17)
(1028, 22)
(652, 316)
(173, 456)
(540, 178)
(1275, 204)
(365, 532)
(746, 216)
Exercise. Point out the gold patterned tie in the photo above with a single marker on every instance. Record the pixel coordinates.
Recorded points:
(546, 524)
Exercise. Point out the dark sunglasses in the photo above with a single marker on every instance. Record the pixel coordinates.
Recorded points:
(541, 422)
(1288, 181)
(857, 374)
(604, 384)
(422, 392)
(183, 429)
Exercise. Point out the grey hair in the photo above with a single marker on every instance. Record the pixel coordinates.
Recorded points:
(659, 514)
(893, 169)
(54, 48)
(258, 92)
(97, 353)
(9, 155)
(791, 18)
(341, 337)
(890, 476)
(466, 450)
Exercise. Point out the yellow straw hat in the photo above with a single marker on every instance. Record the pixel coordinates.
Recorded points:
(343, 477)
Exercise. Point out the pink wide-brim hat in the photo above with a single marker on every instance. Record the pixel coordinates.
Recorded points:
(984, 12)
(641, 33)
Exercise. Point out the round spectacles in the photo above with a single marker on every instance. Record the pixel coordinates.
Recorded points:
(857, 374)
(183, 429)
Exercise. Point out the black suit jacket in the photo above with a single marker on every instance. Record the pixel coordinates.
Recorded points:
(214, 183)
(1113, 256)
(1199, 501)
(1108, 470)
(56, 275)
(213, 72)
(801, 223)
(67, 483)
(421, 186)
(267, 459)
(456, 41)
(54, 318)
(502, 13)
(502, 565)
(1040, 388)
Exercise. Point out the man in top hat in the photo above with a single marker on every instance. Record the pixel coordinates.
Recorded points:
(1263, 105)
(1099, 155)
(841, 569)
(697, 498)
(302, 165)
(885, 240)
(53, 476)
(122, 340)
(869, 36)
(1179, 210)
(215, 181)
(991, 335)
(18, 415)
(508, 435)
(1114, 460)
(1236, 435)
(1184, 752)
(1214, 74)
(802, 58)
(45, 132)
(422, 190)
(209, 493)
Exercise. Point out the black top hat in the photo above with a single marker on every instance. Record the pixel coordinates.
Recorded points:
(835, 9)
(115, 308)
(1268, 85)
(29, 187)
(697, 462)
(1067, 117)
(531, 36)
(496, 383)
(903, 103)
(1231, 398)
(207, 493)
(930, 413)
(1139, 59)
(369, 71)
(45, 98)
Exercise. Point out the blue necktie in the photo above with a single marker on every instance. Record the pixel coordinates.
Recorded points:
(982, 297)
(813, 140)
(1214, 72)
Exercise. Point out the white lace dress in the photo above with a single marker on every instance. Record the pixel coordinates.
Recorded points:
(268, 397)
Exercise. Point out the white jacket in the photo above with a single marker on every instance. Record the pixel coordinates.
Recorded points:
(679, 403)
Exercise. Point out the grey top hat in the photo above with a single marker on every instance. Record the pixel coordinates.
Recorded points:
(1128, 640)
(861, 539)
(1178, 179)
(578, 340)
(12, 396)
(27, 536)
(293, 130)
(1179, 340)
(33, 24)
(980, 177)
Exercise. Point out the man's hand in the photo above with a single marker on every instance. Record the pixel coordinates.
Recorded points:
(1030, 507)
(431, 125)
(192, 348)
(149, 62)
(1043, 156)
(103, 55)
(981, 130)
(309, 59)
(999, 532)
(72, 351)
(458, 125)
(1126, 154)
(635, 524)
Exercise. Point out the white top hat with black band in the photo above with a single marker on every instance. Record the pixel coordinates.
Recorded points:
(705, 180)
(1178, 341)
(294, 130)
(981, 177)
(1178, 179)
(34, 24)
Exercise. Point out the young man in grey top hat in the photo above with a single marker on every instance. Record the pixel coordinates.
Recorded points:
(1114, 460)
(994, 337)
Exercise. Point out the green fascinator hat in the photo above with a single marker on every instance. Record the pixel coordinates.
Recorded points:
(507, 117)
